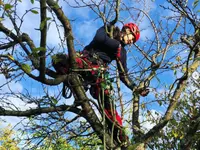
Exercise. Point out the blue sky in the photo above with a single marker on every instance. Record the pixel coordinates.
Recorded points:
(85, 24)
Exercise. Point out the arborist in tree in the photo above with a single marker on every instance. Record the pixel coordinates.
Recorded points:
(95, 58)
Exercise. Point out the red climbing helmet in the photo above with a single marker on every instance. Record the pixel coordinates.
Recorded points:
(134, 29)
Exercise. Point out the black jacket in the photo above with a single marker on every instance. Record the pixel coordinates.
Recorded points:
(103, 43)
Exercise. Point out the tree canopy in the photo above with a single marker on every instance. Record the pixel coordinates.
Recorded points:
(7, 141)
(166, 59)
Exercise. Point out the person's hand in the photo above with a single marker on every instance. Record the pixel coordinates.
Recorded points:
(144, 92)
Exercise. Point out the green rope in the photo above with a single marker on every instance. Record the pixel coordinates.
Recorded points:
(91, 69)
(104, 122)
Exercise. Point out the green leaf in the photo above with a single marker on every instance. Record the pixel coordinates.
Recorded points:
(156, 95)
(56, 6)
(173, 122)
(184, 69)
(56, 59)
(42, 24)
(197, 32)
(198, 58)
(143, 106)
(175, 134)
(148, 112)
(38, 49)
(32, 1)
(26, 68)
(195, 3)
(34, 11)
(7, 6)
(159, 102)
(55, 101)
(178, 58)
(103, 85)
(175, 72)
(48, 18)
(170, 63)
(1, 19)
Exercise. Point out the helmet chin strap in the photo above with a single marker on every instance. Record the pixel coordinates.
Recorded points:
(122, 39)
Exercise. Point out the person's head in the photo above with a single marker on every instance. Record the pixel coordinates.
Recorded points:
(130, 33)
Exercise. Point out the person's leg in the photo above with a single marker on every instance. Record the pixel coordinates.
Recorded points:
(113, 119)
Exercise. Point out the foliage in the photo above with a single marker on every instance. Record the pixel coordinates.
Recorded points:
(183, 130)
(59, 144)
(32, 32)
(7, 140)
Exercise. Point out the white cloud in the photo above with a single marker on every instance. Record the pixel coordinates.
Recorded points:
(86, 30)
(14, 87)
(13, 121)
(21, 105)
(11, 86)
(31, 22)
(146, 30)
(147, 122)
(53, 36)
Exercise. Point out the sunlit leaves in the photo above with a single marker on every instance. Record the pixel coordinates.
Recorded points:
(195, 3)
(54, 100)
(34, 11)
(26, 68)
(7, 6)
(35, 51)
(6, 139)
(43, 23)
(39, 49)
(178, 58)
(175, 72)
(32, 1)
(143, 106)
(160, 103)
(184, 69)
(11, 57)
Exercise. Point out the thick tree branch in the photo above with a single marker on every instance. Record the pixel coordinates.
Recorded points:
(10, 34)
(43, 30)
(7, 45)
(173, 100)
(67, 28)
(135, 117)
(116, 12)
(19, 40)
(88, 111)
(39, 111)
(58, 79)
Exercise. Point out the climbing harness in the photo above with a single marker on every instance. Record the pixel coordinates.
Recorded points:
(92, 67)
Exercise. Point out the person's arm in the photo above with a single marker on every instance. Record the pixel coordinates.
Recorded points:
(123, 71)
